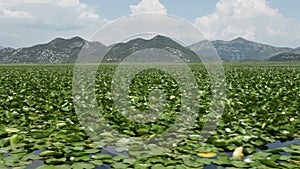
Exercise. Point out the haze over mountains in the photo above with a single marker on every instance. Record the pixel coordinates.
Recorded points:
(241, 49)
(67, 50)
(119, 51)
(285, 57)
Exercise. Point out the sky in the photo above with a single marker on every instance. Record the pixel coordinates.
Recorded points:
(25, 23)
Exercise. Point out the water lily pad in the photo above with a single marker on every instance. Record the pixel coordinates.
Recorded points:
(284, 158)
(206, 154)
(239, 164)
(62, 166)
(15, 139)
(83, 158)
(222, 160)
(295, 146)
(120, 165)
(102, 156)
(268, 163)
(158, 166)
(74, 137)
(289, 165)
(38, 105)
(136, 148)
(204, 160)
(259, 142)
(130, 161)
(191, 162)
(142, 131)
(12, 130)
(180, 167)
(141, 166)
(56, 160)
(255, 164)
(45, 167)
(50, 153)
(82, 166)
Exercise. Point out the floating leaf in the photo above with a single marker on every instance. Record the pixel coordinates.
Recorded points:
(50, 153)
(222, 160)
(56, 160)
(268, 163)
(82, 166)
(239, 164)
(45, 167)
(12, 130)
(191, 162)
(206, 154)
(15, 139)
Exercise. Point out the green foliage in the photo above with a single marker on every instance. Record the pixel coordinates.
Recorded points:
(37, 113)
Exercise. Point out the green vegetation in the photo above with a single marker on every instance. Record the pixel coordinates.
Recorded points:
(37, 113)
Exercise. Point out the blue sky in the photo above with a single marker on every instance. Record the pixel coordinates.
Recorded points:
(28, 22)
(117, 8)
(189, 10)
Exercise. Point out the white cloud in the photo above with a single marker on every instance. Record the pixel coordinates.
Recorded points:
(49, 14)
(7, 13)
(151, 17)
(27, 1)
(251, 19)
(88, 15)
(39, 21)
(153, 6)
(148, 25)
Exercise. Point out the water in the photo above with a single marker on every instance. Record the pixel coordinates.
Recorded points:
(271, 146)
(278, 144)
(112, 150)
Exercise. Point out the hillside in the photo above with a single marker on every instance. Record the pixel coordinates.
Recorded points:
(67, 50)
(241, 49)
(62, 50)
(285, 57)
(121, 50)
(58, 50)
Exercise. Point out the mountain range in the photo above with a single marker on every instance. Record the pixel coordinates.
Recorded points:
(58, 50)
(120, 51)
(62, 50)
(285, 57)
(240, 49)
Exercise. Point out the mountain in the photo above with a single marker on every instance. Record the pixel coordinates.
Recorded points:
(285, 57)
(240, 49)
(1, 47)
(297, 50)
(122, 50)
(58, 50)
(62, 50)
